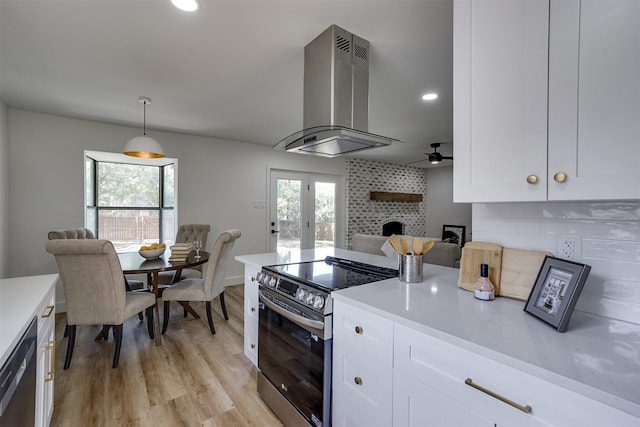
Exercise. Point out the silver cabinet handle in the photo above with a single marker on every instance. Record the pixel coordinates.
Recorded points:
(526, 409)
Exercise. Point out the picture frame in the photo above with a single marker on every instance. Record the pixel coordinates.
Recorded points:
(454, 234)
(556, 291)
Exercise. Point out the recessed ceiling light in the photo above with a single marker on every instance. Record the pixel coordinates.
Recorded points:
(186, 5)
(429, 96)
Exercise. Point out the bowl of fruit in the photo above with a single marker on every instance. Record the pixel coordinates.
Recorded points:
(152, 251)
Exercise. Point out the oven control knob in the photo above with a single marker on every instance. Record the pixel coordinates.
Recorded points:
(309, 298)
(272, 281)
(301, 294)
(260, 277)
(318, 301)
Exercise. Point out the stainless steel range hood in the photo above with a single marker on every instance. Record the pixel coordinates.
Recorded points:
(336, 98)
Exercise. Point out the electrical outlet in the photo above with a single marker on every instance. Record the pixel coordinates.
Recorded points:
(570, 246)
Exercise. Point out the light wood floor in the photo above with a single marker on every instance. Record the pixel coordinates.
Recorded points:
(192, 379)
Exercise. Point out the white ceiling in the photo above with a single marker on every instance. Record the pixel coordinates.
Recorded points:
(232, 70)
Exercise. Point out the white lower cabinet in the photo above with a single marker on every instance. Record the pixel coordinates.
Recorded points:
(388, 374)
(362, 368)
(45, 360)
(251, 320)
(417, 405)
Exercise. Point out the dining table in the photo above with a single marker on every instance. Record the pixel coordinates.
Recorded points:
(134, 263)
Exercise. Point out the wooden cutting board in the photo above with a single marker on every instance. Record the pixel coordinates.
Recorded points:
(474, 254)
(519, 272)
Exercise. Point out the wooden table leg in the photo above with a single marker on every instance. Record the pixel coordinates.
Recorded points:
(156, 312)
(190, 310)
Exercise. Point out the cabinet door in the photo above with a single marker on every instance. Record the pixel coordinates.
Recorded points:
(594, 100)
(500, 100)
(251, 313)
(415, 404)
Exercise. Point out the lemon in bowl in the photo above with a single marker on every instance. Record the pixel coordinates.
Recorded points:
(152, 251)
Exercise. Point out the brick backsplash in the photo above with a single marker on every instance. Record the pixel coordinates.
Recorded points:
(610, 240)
(367, 216)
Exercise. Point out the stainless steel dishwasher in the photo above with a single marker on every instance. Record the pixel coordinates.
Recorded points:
(18, 382)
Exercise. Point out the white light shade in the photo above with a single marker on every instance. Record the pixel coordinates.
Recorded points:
(186, 5)
(143, 146)
(429, 96)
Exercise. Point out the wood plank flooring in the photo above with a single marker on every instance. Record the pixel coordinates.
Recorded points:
(192, 379)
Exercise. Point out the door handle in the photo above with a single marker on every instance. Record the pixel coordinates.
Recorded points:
(275, 231)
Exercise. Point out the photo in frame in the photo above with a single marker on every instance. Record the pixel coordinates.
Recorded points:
(453, 234)
(556, 291)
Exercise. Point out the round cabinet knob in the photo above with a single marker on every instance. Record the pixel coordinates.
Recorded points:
(318, 302)
(560, 177)
(253, 346)
(358, 330)
(532, 179)
(253, 279)
(253, 309)
(357, 380)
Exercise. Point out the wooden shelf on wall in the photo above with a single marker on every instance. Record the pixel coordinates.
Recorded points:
(395, 197)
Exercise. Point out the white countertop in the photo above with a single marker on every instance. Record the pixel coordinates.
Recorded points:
(19, 300)
(597, 356)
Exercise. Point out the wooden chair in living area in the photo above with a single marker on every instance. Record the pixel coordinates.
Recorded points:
(194, 289)
(94, 290)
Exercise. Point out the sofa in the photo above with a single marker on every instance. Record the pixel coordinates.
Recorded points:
(442, 253)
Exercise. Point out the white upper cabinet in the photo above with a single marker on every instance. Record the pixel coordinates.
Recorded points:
(594, 99)
(546, 100)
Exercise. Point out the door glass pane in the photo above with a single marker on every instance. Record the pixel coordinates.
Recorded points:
(325, 219)
(288, 213)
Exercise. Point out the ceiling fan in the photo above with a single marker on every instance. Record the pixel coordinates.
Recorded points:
(435, 157)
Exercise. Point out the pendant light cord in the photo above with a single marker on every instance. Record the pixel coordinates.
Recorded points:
(144, 118)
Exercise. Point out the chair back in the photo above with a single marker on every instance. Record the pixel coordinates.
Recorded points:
(92, 279)
(444, 253)
(187, 233)
(76, 233)
(218, 262)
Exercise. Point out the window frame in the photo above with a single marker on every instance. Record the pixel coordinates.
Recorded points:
(92, 209)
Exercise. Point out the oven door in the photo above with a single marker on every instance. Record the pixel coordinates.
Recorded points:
(294, 354)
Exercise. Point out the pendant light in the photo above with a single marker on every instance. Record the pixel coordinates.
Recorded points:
(143, 146)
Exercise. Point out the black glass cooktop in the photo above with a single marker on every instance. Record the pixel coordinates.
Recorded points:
(333, 273)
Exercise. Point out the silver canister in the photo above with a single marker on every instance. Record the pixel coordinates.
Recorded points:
(410, 268)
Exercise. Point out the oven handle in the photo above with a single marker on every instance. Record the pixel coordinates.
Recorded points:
(315, 324)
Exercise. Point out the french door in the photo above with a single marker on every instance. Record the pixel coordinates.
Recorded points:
(305, 210)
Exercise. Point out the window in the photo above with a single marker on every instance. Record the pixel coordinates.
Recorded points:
(128, 201)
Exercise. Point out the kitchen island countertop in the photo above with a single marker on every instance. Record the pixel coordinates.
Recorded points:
(597, 356)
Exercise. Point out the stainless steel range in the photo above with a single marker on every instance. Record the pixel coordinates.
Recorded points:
(295, 334)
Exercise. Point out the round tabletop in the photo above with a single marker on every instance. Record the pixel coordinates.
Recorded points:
(134, 263)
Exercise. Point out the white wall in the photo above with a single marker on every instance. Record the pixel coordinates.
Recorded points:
(218, 182)
(440, 207)
(610, 233)
(4, 190)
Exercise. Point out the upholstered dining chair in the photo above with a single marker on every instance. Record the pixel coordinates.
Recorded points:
(94, 290)
(194, 289)
(85, 233)
(187, 233)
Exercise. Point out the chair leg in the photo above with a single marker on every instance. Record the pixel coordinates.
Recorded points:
(184, 310)
(150, 322)
(66, 330)
(165, 319)
(71, 329)
(117, 332)
(224, 307)
(209, 318)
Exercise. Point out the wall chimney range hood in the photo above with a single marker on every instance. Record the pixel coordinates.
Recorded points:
(336, 98)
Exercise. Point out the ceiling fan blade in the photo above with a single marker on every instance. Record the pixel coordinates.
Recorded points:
(447, 157)
(417, 161)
